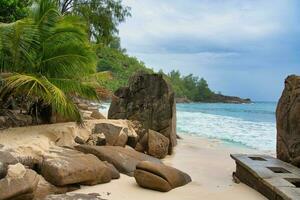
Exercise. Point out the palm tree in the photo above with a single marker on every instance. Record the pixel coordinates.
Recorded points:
(47, 57)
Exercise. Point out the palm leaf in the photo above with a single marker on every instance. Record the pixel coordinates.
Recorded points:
(40, 88)
(74, 87)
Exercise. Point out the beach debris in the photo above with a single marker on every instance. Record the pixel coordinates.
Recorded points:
(75, 196)
(150, 100)
(124, 159)
(271, 177)
(287, 122)
(159, 176)
(65, 166)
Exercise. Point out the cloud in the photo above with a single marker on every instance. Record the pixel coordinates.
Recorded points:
(219, 39)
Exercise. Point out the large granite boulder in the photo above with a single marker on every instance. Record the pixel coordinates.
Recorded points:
(159, 177)
(150, 100)
(288, 122)
(124, 159)
(6, 159)
(19, 183)
(66, 166)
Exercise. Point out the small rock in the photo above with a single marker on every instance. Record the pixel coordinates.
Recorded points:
(158, 144)
(79, 140)
(97, 139)
(97, 115)
(83, 106)
(115, 135)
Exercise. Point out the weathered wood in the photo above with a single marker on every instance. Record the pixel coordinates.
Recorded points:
(275, 179)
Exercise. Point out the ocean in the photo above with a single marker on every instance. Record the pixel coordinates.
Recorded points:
(247, 125)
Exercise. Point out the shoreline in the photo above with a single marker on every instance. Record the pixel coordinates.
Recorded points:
(207, 161)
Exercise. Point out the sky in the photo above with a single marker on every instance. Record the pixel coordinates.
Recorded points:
(243, 48)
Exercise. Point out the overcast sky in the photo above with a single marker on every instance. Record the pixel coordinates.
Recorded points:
(241, 47)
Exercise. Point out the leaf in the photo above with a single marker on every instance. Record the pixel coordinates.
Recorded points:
(41, 88)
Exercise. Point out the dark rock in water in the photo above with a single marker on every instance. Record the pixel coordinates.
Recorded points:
(288, 122)
(74, 197)
(150, 100)
(159, 177)
(220, 98)
(68, 166)
(6, 159)
(124, 159)
(19, 184)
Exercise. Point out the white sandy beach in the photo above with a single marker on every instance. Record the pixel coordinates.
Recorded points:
(209, 164)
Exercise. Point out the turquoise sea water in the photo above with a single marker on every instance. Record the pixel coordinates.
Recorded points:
(250, 125)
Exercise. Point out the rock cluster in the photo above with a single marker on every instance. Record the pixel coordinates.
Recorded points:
(102, 150)
(288, 118)
(149, 100)
(19, 183)
(13, 118)
(124, 159)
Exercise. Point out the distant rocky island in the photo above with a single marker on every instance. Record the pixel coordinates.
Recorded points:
(217, 98)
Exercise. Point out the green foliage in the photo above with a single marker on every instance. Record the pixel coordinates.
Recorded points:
(13, 10)
(102, 17)
(121, 66)
(189, 86)
(49, 55)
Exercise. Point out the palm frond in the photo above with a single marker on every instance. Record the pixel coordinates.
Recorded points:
(18, 42)
(74, 87)
(40, 88)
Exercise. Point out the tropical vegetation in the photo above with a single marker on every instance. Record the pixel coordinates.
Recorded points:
(45, 57)
(52, 51)
(189, 86)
